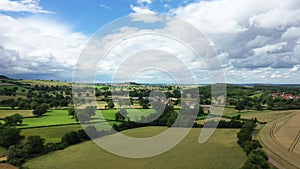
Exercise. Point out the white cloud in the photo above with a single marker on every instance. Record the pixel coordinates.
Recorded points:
(276, 18)
(39, 45)
(253, 34)
(105, 6)
(291, 33)
(144, 1)
(22, 6)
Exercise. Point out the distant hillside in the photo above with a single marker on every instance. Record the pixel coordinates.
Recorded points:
(3, 77)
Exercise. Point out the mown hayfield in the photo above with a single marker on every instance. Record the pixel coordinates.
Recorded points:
(266, 115)
(281, 138)
(219, 152)
(24, 113)
(261, 115)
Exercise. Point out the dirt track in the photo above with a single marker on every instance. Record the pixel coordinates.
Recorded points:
(280, 139)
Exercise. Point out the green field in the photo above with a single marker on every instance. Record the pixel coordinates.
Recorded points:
(219, 152)
(51, 134)
(52, 117)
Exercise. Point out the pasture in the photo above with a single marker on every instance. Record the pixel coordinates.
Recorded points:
(51, 134)
(219, 152)
(52, 117)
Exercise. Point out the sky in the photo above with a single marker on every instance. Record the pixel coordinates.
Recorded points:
(256, 41)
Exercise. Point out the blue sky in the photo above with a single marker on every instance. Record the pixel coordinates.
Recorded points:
(257, 42)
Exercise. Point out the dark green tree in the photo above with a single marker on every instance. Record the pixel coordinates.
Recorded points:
(13, 120)
(10, 136)
(34, 145)
(240, 106)
(40, 110)
(110, 104)
(72, 112)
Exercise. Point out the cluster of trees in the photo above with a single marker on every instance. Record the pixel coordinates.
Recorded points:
(13, 120)
(40, 110)
(225, 124)
(9, 92)
(32, 103)
(121, 115)
(9, 136)
(256, 157)
(82, 115)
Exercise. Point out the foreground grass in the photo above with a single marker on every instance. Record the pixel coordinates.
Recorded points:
(219, 152)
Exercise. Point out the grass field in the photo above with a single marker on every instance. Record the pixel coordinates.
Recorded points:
(132, 113)
(219, 152)
(52, 117)
(281, 140)
(51, 134)
(24, 113)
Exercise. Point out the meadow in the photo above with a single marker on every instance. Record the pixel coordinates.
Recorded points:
(220, 151)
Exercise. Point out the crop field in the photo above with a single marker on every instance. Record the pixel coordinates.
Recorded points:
(281, 140)
(219, 152)
(261, 115)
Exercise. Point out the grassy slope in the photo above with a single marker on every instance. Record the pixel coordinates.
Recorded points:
(221, 151)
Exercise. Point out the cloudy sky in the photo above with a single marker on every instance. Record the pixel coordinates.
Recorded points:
(256, 41)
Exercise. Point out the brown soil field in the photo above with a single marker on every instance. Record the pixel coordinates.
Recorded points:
(281, 138)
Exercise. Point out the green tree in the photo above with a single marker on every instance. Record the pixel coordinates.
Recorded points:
(10, 136)
(240, 106)
(40, 110)
(110, 104)
(121, 115)
(34, 145)
(258, 106)
(72, 112)
(251, 145)
(255, 161)
(13, 120)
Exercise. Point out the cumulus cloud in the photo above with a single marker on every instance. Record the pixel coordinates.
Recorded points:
(251, 34)
(38, 45)
(22, 6)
